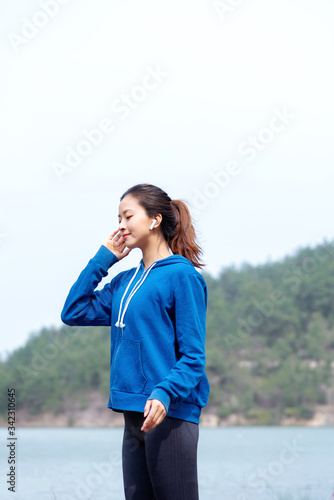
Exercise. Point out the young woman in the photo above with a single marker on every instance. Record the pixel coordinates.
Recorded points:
(157, 314)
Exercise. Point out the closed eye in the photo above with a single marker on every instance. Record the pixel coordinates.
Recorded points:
(126, 218)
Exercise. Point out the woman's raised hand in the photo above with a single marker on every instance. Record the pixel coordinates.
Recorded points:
(116, 244)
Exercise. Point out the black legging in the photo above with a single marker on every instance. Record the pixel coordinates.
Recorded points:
(160, 464)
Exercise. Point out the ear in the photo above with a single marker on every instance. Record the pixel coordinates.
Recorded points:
(158, 218)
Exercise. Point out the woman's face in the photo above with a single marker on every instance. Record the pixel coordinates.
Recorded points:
(134, 222)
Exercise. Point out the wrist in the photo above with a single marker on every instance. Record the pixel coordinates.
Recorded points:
(105, 257)
(161, 396)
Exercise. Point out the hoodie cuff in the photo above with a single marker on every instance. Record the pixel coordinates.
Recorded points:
(105, 257)
(162, 396)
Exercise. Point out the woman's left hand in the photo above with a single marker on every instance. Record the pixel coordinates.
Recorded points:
(155, 416)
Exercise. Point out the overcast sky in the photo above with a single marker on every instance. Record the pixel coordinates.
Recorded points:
(227, 105)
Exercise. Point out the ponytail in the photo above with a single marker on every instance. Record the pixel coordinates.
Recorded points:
(184, 242)
(176, 225)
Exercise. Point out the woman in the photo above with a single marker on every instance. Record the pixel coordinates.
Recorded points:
(157, 314)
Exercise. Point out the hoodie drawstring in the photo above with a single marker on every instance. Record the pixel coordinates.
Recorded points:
(119, 322)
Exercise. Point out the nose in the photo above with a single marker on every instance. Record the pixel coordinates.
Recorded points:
(121, 226)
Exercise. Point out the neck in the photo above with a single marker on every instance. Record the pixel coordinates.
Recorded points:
(154, 252)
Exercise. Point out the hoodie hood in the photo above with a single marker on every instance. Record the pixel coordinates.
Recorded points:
(172, 259)
(167, 261)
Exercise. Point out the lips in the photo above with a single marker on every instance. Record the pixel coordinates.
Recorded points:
(125, 235)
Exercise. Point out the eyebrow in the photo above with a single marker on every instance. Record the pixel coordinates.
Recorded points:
(127, 210)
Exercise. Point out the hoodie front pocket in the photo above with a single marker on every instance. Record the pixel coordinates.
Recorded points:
(127, 373)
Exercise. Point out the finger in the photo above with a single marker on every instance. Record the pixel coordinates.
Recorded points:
(117, 236)
(124, 250)
(148, 420)
(161, 413)
(148, 425)
(113, 234)
(120, 242)
(147, 407)
(160, 419)
(156, 421)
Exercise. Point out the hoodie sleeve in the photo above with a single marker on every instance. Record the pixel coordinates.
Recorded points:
(83, 306)
(190, 300)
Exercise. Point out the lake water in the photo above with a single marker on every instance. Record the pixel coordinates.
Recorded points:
(235, 463)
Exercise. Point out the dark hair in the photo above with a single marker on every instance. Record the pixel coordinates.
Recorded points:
(176, 225)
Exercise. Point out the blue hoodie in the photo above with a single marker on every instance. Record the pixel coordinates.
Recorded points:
(158, 326)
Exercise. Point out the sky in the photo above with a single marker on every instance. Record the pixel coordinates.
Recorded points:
(227, 105)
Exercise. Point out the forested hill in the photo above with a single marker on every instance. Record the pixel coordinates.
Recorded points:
(270, 346)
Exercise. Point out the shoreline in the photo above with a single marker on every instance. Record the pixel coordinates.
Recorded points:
(92, 412)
